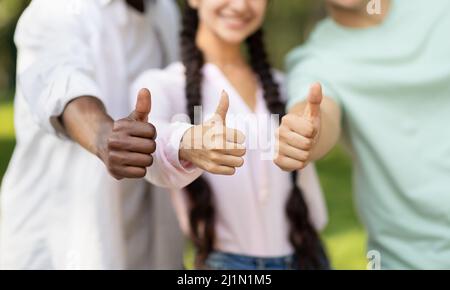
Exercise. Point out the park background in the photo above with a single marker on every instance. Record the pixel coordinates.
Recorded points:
(288, 24)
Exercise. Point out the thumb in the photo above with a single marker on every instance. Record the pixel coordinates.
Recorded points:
(312, 109)
(143, 106)
(222, 108)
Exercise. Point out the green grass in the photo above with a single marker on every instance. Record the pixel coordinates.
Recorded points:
(6, 119)
(344, 237)
(7, 141)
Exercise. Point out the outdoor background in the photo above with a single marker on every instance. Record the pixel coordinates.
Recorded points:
(287, 25)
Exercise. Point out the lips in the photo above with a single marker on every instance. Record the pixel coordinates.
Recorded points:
(235, 22)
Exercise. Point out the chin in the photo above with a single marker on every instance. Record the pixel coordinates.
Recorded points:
(233, 37)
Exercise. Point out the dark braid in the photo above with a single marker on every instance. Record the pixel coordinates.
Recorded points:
(303, 236)
(261, 66)
(201, 212)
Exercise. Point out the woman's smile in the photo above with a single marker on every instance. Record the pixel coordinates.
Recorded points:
(235, 22)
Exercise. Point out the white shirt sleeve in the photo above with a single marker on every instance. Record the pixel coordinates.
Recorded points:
(55, 61)
(167, 115)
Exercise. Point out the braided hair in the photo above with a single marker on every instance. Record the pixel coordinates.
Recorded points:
(303, 236)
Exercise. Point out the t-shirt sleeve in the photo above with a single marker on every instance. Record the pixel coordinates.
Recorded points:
(303, 70)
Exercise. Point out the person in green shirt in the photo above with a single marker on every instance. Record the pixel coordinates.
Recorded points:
(381, 82)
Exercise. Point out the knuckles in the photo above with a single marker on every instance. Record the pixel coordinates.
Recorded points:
(210, 167)
(214, 157)
(121, 125)
(115, 158)
(115, 142)
(126, 126)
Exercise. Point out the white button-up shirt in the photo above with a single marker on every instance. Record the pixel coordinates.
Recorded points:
(59, 206)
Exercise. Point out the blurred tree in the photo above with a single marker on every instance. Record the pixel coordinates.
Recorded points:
(10, 11)
(288, 25)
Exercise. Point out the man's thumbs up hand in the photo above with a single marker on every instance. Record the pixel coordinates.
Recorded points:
(131, 142)
(312, 109)
(143, 106)
(212, 146)
(298, 133)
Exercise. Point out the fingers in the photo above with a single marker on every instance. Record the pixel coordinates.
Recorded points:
(131, 159)
(298, 134)
(132, 144)
(226, 160)
(234, 136)
(233, 149)
(136, 129)
(288, 164)
(143, 106)
(220, 170)
(128, 172)
(293, 139)
(294, 153)
(218, 149)
(312, 109)
(219, 137)
(299, 125)
(222, 107)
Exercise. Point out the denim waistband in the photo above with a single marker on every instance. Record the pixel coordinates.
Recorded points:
(227, 261)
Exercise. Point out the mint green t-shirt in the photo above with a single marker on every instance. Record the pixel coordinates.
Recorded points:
(392, 83)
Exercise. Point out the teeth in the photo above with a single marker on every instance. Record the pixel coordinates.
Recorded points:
(235, 20)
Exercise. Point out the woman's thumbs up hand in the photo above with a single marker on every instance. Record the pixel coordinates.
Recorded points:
(212, 146)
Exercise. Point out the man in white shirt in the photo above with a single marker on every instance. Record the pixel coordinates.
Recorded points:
(61, 205)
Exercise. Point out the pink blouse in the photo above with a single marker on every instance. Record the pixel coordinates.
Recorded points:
(250, 205)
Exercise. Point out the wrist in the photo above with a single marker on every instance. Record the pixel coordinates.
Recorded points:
(103, 132)
(186, 145)
(183, 153)
(316, 150)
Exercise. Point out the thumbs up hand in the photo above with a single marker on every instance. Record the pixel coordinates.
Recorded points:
(212, 146)
(298, 133)
(131, 142)
(143, 106)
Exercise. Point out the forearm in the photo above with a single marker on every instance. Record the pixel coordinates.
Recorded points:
(330, 128)
(86, 121)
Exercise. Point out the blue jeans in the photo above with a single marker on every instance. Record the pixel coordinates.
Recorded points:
(224, 261)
